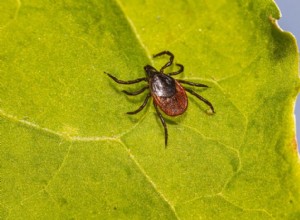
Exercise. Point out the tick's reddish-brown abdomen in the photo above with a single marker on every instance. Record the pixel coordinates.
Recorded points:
(174, 105)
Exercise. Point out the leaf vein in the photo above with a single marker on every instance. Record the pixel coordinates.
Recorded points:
(130, 22)
(141, 169)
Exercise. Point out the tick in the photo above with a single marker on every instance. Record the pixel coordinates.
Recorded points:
(168, 94)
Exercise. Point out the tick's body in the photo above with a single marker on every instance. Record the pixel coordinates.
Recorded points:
(168, 94)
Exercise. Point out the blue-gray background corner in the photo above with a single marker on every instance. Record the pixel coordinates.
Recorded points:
(290, 21)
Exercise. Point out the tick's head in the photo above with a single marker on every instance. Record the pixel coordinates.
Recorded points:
(150, 71)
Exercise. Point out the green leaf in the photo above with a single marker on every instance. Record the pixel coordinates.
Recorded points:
(68, 150)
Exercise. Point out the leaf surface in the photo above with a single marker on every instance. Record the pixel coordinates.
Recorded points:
(68, 150)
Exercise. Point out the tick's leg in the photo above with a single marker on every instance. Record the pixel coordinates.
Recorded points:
(179, 71)
(126, 82)
(142, 106)
(191, 83)
(201, 98)
(168, 63)
(136, 92)
(164, 124)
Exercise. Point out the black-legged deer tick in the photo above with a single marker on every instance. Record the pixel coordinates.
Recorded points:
(168, 94)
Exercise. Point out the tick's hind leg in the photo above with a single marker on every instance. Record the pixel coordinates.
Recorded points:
(142, 106)
(164, 124)
(201, 98)
(126, 82)
(168, 63)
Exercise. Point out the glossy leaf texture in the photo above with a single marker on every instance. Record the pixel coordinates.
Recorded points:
(68, 150)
